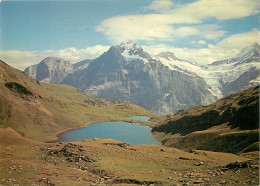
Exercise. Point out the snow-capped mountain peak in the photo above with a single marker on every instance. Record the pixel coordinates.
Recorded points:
(129, 45)
(248, 52)
(246, 55)
(127, 73)
(242, 70)
(170, 60)
(167, 55)
(131, 51)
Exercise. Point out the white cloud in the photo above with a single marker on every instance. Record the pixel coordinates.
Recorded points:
(161, 5)
(153, 27)
(186, 31)
(23, 59)
(226, 48)
(202, 42)
(210, 31)
(19, 59)
(136, 27)
(165, 25)
(201, 56)
(239, 41)
(199, 43)
(219, 9)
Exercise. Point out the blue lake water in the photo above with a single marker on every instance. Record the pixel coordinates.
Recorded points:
(132, 133)
(140, 118)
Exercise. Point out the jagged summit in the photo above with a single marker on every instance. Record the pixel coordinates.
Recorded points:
(129, 45)
(237, 73)
(50, 70)
(55, 59)
(56, 62)
(131, 51)
(167, 55)
(249, 52)
(113, 49)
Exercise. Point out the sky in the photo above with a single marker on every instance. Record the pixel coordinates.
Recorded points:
(200, 31)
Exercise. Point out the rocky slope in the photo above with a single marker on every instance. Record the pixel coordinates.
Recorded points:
(231, 124)
(161, 83)
(39, 110)
(238, 73)
(53, 69)
(127, 73)
(222, 77)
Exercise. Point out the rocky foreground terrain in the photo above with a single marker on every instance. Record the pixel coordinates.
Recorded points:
(97, 161)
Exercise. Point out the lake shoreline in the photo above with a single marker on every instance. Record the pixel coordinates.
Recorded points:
(131, 121)
(61, 137)
(74, 128)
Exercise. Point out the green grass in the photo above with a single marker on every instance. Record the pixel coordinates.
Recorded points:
(252, 148)
(232, 142)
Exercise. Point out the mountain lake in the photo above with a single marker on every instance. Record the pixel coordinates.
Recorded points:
(132, 133)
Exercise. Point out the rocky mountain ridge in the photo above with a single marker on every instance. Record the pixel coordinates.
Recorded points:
(129, 74)
(162, 83)
(54, 69)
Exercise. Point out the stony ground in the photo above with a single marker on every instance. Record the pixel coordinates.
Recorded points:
(110, 162)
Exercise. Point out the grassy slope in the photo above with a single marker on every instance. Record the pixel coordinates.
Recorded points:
(228, 125)
(52, 108)
(24, 161)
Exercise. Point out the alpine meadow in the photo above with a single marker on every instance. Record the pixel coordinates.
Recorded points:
(133, 92)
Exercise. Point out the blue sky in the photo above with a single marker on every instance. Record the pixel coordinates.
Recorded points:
(200, 31)
(45, 25)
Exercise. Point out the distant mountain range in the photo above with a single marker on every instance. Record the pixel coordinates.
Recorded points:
(53, 69)
(162, 84)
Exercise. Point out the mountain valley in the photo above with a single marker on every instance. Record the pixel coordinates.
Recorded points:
(39, 111)
(33, 113)
(137, 92)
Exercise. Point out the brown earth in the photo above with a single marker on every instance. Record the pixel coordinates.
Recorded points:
(107, 161)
